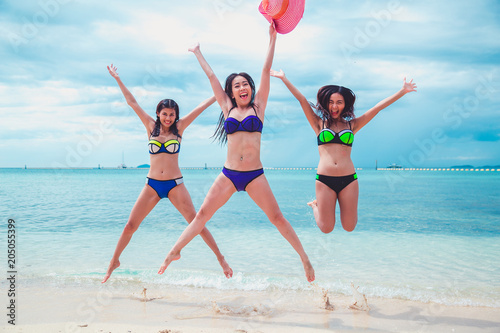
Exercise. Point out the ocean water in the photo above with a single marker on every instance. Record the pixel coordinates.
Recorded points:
(431, 236)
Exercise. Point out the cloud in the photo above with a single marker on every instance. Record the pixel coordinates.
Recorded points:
(55, 86)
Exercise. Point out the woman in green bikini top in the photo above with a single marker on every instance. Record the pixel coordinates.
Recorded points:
(335, 126)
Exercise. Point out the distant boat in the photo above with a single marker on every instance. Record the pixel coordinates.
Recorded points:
(122, 166)
(394, 166)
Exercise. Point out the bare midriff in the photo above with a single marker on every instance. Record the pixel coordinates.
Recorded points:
(335, 160)
(164, 166)
(243, 151)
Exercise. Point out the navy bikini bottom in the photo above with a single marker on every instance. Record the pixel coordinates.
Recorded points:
(241, 179)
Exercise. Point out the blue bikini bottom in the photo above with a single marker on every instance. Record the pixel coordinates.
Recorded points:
(163, 187)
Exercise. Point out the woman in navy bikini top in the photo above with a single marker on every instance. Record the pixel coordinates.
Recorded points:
(249, 124)
(335, 127)
(164, 179)
(240, 125)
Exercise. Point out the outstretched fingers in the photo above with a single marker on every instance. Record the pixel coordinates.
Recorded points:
(112, 70)
(409, 86)
(277, 74)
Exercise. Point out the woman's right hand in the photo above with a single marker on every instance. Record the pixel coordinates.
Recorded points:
(272, 30)
(112, 71)
(279, 75)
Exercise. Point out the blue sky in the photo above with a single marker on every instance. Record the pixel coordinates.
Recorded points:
(60, 107)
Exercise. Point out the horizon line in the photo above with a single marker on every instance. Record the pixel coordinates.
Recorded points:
(454, 168)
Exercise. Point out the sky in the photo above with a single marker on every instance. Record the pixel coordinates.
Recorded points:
(59, 106)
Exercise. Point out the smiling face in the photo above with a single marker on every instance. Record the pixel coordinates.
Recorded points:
(241, 90)
(336, 105)
(167, 117)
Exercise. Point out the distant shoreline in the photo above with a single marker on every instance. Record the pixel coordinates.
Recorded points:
(455, 169)
(439, 169)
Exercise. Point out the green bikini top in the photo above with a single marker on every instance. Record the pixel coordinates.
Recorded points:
(344, 137)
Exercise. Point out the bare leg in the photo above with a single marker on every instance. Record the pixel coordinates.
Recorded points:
(348, 203)
(180, 198)
(145, 203)
(217, 196)
(262, 195)
(324, 207)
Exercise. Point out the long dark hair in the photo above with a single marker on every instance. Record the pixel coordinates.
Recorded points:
(166, 104)
(220, 134)
(323, 97)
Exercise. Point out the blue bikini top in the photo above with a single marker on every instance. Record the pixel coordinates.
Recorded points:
(249, 124)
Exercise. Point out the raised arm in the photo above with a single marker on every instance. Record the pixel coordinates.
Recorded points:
(222, 98)
(362, 120)
(265, 80)
(185, 121)
(312, 117)
(146, 119)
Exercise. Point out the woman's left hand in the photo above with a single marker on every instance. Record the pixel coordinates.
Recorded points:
(409, 86)
(113, 71)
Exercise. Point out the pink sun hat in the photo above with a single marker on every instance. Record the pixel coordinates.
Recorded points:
(286, 14)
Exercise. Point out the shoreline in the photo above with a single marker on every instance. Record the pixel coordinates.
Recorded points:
(118, 307)
(441, 169)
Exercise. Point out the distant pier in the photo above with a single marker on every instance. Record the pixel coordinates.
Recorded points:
(438, 169)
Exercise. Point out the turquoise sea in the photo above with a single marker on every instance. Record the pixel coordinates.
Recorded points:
(431, 236)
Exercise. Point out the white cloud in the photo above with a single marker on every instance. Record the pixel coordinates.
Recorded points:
(56, 86)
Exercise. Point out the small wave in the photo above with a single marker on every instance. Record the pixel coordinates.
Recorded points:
(137, 279)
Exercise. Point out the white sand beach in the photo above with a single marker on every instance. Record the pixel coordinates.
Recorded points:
(115, 308)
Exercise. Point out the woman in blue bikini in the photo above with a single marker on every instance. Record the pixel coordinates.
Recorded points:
(241, 125)
(335, 127)
(164, 179)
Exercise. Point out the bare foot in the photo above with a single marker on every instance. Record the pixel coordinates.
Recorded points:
(313, 203)
(112, 266)
(309, 270)
(168, 260)
(228, 272)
